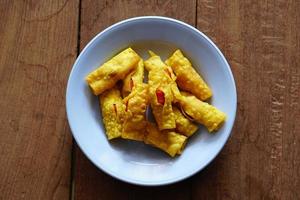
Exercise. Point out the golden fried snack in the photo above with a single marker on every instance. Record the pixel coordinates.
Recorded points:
(202, 112)
(161, 105)
(135, 122)
(184, 125)
(187, 77)
(113, 112)
(107, 75)
(160, 82)
(135, 77)
(168, 141)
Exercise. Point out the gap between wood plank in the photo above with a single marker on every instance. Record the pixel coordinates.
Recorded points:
(196, 14)
(73, 150)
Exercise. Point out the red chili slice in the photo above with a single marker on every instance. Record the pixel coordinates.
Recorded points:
(131, 84)
(126, 104)
(115, 108)
(168, 72)
(160, 95)
(186, 115)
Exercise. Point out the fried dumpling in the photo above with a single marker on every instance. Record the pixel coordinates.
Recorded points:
(168, 141)
(187, 77)
(202, 112)
(107, 75)
(160, 82)
(135, 122)
(113, 112)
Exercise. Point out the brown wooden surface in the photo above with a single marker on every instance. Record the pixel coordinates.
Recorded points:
(261, 41)
(39, 42)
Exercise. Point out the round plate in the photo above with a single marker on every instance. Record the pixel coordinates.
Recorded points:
(136, 162)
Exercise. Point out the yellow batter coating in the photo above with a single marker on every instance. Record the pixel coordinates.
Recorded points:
(184, 125)
(107, 75)
(135, 122)
(113, 112)
(168, 141)
(160, 80)
(135, 77)
(176, 112)
(202, 112)
(187, 77)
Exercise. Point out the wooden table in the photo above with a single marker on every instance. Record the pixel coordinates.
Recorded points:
(39, 42)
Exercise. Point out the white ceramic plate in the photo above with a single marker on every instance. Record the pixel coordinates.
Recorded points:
(135, 162)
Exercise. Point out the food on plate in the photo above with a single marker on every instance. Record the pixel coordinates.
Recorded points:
(175, 112)
(107, 75)
(113, 112)
(187, 77)
(135, 77)
(135, 122)
(202, 112)
(160, 81)
(168, 141)
(183, 125)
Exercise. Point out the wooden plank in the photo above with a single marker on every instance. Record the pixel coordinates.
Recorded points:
(95, 16)
(260, 39)
(91, 183)
(38, 42)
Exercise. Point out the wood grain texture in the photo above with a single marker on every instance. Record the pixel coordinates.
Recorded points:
(38, 42)
(91, 183)
(261, 41)
(96, 16)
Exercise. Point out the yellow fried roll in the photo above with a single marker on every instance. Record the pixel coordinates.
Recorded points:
(135, 77)
(187, 77)
(168, 141)
(113, 112)
(202, 112)
(154, 62)
(135, 122)
(107, 75)
(160, 90)
(184, 125)
(161, 104)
